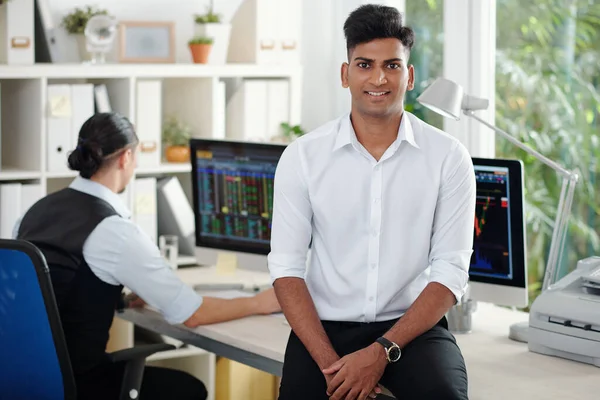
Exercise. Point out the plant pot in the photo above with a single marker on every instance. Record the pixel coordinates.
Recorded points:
(177, 154)
(220, 34)
(200, 52)
(84, 54)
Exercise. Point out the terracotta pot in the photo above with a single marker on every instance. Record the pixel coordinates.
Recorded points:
(200, 52)
(177, 154)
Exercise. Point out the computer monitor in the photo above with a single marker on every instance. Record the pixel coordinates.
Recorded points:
(233, 199)
(498, 270)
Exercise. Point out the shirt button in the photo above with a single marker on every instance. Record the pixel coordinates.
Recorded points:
(373, 265)
(374, 233)
(371, 298)
(376, 200)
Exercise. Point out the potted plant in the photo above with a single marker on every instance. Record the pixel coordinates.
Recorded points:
(201, 47)
(288, 133)
(176, 140)
(74, 23)
(210, 24)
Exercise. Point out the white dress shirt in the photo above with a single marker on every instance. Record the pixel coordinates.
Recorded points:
(119, 252)
(381, 230)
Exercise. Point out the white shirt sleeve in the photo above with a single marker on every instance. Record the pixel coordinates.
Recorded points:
(119, 252)
(452, 236)
(292, 215)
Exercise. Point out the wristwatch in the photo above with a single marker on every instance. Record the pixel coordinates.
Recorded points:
(392, 350)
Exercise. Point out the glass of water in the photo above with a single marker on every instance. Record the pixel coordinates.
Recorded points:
(169, 249)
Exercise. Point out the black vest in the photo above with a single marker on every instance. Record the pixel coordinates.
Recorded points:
(59, 225)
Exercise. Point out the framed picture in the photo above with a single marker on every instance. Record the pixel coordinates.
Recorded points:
(146, 42)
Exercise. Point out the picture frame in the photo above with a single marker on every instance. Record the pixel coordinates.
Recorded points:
(146, 42)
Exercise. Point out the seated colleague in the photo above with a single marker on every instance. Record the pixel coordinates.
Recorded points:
(93, 249)
(388, 202)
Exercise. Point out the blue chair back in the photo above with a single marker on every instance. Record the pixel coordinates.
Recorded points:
(34, 361)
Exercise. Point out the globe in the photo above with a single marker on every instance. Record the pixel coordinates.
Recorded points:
(100, 32)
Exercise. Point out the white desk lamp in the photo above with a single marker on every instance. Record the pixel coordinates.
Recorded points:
(446, 98)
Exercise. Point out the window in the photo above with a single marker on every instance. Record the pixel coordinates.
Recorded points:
(548, 95)
(426, 19)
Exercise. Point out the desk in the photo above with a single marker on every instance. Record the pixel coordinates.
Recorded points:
(498, 368)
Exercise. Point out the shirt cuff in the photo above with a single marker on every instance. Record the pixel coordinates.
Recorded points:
(183, 307)
(451, 276)
(286, 266)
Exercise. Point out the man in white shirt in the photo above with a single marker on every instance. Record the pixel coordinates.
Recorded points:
(386, 204)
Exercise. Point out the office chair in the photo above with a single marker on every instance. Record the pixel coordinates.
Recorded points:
(34, 361)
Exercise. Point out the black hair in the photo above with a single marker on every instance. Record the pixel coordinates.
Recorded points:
(372, 21)
(101, 136)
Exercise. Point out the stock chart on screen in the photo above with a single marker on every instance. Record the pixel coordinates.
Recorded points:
(235, 193)
(492, 242)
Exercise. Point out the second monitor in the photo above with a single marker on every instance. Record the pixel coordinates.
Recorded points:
(498, 270)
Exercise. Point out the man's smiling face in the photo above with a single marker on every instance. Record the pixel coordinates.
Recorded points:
(378, 76)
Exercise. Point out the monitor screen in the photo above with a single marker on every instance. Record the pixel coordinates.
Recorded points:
(233, 194)
(499, 235)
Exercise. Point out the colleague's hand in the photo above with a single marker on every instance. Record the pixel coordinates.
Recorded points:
(356, 375)
(266, 302)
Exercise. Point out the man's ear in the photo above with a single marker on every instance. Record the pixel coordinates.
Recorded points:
(411, 78)
(344, 75)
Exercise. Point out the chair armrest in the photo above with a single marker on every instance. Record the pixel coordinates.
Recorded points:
(139, 352)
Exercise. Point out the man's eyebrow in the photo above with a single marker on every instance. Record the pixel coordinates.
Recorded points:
(385, 61)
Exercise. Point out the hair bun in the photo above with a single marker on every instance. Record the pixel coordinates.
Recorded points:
(85, 159)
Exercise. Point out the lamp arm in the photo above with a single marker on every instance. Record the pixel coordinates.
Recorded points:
(555, 166)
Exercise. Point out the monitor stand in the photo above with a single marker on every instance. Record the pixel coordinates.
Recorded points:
(519, 332)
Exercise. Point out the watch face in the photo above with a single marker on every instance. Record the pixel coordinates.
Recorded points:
(394, 354)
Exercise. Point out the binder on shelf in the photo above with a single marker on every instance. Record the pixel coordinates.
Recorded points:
(17, 33)
(59, 138)
(10, 208)
(257, 109)
(46, 45)
(247, 112)
(83, 108)
(266, 32)
(278, 105)
(101, 99)
(149, 121)
(144, 208)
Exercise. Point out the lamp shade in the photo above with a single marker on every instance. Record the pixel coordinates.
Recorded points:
(443, 97)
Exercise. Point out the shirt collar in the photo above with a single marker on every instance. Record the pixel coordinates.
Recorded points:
(102, 192)
(346, 134)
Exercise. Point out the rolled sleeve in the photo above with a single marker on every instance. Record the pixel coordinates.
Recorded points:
(452, 237)
(292, 215)
(119, 252)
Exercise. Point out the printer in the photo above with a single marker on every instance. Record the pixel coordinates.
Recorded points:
(564, 320)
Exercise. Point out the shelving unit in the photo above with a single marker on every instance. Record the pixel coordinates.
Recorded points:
(188, 90)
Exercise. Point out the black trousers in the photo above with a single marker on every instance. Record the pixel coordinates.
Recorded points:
(104, 383)
(431, 366)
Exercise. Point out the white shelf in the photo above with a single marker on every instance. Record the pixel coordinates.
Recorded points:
(165, 168)
(177, 353)
(13, 174)
(81, 71)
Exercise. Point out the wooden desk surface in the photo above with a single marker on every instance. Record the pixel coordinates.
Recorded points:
(498, 368)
